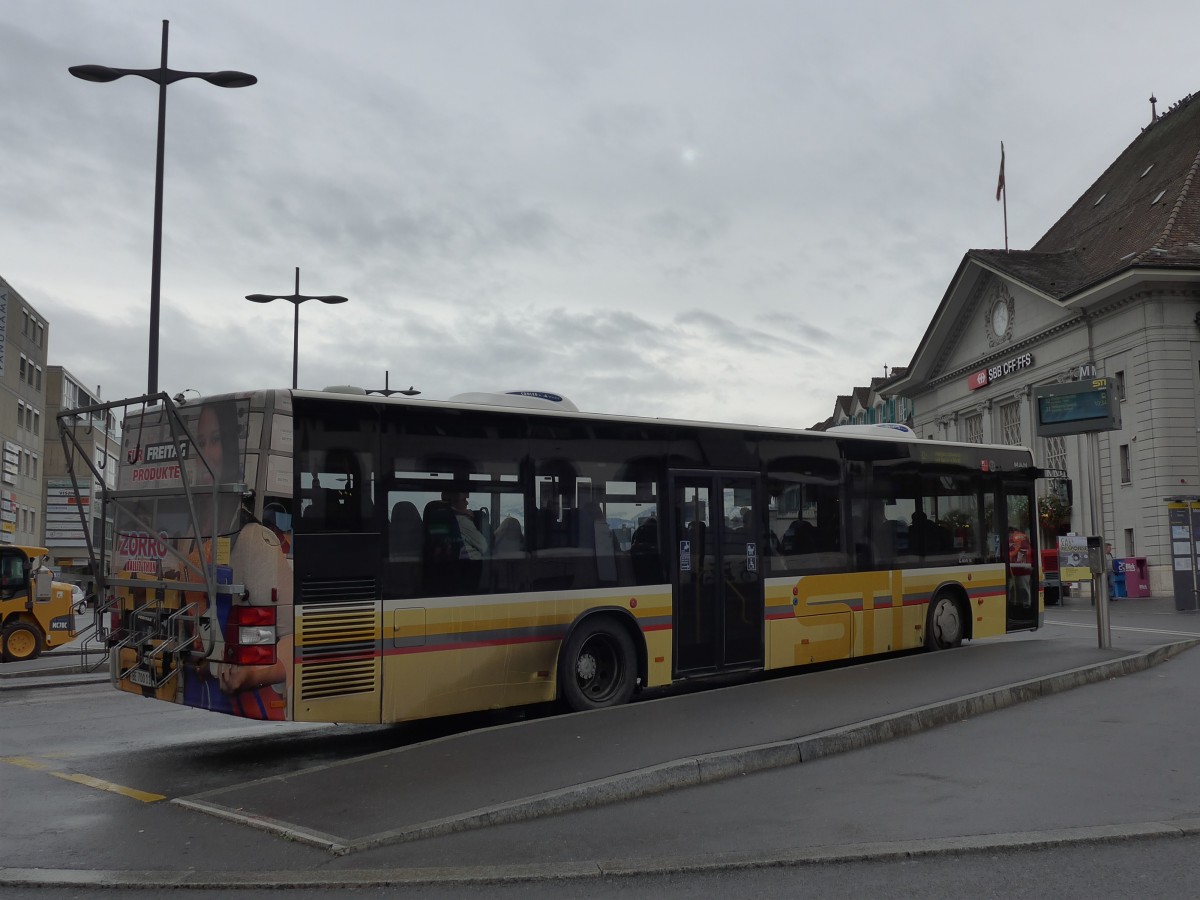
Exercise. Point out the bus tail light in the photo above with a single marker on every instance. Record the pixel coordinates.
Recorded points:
(250, 636)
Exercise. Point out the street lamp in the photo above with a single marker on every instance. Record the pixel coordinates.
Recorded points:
(162, 76)
(388, 391)
(295, 299)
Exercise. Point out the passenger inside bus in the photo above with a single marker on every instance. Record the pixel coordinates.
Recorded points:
(1020, 556)
(474, 541)
(800, 537)
(926, 537)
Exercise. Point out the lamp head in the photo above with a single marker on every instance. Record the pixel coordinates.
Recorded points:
(261, 298)
(230, 79)
(95, 73)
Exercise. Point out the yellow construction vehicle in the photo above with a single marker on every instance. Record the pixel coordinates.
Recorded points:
(36, 612)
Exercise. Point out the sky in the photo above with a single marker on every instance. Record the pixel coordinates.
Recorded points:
(730, 211)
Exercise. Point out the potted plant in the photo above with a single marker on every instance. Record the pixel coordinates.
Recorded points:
(1054, 515)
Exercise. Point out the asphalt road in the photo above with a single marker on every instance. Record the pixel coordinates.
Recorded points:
(1112, 760)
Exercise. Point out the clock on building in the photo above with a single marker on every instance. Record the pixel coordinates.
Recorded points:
(999, 316)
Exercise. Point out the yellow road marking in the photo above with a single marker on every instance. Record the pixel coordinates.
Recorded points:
(88, 781)
(24, 762)
(99, 785)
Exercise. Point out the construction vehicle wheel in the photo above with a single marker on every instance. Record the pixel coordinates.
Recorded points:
(21, 642)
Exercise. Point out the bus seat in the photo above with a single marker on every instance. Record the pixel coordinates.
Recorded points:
(441, 537)
(606, 555)
(404, 533)
(447, 569)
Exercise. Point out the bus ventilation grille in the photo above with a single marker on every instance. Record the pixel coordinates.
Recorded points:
(337, 648)
(326, 590)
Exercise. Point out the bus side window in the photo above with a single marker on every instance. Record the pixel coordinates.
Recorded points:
(340, 497)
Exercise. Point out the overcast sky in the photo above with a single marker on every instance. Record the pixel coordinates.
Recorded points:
(731, 211)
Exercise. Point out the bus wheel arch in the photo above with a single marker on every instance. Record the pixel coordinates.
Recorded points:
(601, 661)
(22, 641)
(948, 619)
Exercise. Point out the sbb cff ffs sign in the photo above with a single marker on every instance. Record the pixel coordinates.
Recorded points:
(984, 377)
(1077, 407)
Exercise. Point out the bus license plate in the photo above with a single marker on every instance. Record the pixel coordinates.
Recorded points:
(142, 677)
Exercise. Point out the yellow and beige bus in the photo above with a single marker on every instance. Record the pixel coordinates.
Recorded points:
(337, 556)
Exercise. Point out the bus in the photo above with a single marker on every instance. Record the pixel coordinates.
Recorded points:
(336, 556)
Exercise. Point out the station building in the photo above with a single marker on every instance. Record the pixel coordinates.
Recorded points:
(1112, 288)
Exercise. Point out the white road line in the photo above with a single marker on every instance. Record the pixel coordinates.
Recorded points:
(1126, 628)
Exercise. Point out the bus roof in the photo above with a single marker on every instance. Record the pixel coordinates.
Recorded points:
(890, 434)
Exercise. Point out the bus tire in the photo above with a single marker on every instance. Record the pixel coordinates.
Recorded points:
(21, 642)
(597, 666)
(943, 623)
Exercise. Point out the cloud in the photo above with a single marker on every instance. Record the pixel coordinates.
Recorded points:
(723, 210)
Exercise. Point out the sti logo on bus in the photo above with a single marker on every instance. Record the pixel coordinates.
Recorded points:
(158, 453)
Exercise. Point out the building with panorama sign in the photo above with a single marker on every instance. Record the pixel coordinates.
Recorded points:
(1112, 289)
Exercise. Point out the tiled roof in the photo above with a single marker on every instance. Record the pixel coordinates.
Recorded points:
(1144, 210)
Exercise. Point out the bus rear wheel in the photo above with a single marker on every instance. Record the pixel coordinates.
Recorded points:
(597, 667)
(943, 623)
(21, 642)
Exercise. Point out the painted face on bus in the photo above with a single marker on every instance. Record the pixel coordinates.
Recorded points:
(208, 443)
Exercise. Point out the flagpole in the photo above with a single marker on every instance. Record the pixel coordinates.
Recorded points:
(1002, 194)
(1006, 218)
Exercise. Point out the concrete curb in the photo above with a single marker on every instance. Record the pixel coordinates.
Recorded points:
(461, 875)
(55, 677)
(708, 768)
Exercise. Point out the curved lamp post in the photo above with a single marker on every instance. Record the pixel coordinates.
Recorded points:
(295, 299)
(162, 76)
(411, 392)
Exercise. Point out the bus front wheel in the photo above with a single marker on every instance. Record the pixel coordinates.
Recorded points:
(21, 642)
(597, 666)
(944, 623)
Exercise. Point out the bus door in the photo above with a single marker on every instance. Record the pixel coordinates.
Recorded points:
(1020, 556)
(718, 579)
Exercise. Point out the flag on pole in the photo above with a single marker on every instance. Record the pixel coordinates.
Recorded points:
(1000, 182)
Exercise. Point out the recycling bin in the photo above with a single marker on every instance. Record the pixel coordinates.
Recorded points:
(1137, 576)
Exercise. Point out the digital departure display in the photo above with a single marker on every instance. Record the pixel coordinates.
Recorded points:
(1076, 407)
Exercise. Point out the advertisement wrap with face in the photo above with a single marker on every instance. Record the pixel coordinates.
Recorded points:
(157, 540)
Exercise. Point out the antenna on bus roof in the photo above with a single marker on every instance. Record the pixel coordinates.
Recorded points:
(523, 399)
(879, 429)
